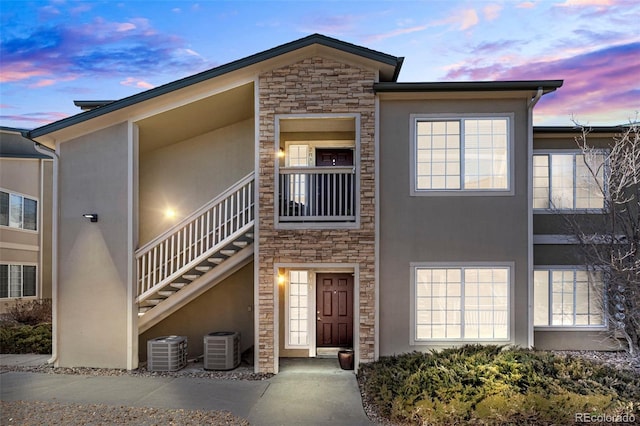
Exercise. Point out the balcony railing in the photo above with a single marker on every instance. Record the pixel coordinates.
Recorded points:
(317, 194)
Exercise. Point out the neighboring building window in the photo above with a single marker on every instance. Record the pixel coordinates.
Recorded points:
(564, 181)
(17, 211)
(298, 309)
(17, 281)
(568, 298)
(461, 303)
(470, 154)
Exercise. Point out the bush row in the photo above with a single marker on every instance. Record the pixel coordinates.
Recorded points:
(25, 339)
(493, 385)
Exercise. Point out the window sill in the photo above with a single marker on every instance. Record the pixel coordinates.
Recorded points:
(571, 328)
(461, 193)
(569, 211)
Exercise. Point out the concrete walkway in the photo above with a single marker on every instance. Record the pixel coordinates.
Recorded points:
(305, 392)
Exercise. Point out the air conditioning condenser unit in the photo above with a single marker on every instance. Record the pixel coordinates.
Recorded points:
(167, 353)
(222, 350)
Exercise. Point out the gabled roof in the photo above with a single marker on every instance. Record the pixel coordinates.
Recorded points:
(393, 62)
(14, 145)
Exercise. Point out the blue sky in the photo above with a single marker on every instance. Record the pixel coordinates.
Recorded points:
(57, 51)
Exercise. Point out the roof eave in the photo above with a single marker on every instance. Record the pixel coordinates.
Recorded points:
(468, 86)
(383, 58)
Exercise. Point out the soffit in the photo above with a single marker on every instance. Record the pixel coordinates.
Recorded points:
(196, 118)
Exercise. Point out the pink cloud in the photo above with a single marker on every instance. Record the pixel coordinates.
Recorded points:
(599, 84)
(526, 5)
(17, 71)
(492, 11)
(35, 119)
(134, 82)
(43, 83)
(585, 3)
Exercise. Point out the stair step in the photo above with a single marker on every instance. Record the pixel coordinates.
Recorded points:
(240, 243)
(166, 293)
(178, 285)
(228, 252)
(153, 301)
(143, 309)
(203, 268)
(190, 277)
(216, 260)
(249, 235)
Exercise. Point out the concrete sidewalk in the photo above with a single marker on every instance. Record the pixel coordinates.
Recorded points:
(305, 392)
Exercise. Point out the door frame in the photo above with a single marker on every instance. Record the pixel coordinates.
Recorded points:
(318, 308)
(314, 268)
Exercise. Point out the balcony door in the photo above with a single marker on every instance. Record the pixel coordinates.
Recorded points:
(334, 157)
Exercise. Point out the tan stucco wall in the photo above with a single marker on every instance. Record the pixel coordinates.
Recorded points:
(188, 174)
(226, 307)
(93, 259)
(316, 86)
(31, 177)
(459, 229)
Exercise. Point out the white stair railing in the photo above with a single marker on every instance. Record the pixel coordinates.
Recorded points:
(181, 248)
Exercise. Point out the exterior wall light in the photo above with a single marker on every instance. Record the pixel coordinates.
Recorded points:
(281, 153)
(93, 217)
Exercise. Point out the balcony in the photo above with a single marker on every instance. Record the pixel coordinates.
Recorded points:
(317, 194)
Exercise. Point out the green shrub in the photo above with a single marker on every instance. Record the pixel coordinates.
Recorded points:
(25, 339)
(494, 385)
(32, 312)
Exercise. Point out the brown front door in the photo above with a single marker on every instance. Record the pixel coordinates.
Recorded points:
(334, 303)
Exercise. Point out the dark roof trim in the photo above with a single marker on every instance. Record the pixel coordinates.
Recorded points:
(577, 129)
(215, 72)
(468, 86)
(13, 129)
(87, 105)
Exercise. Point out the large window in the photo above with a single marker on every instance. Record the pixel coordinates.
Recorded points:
(298, 309)
(461, 303)
(565, 181)
(568, 298)
(17, 281)
(17, 211)
(467, 154)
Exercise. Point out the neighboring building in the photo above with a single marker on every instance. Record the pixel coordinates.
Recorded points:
(25, 220)
(305, 198)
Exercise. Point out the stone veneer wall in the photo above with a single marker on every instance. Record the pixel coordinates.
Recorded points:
(316, 85)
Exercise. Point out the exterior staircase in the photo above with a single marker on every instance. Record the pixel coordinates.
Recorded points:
(196, 254)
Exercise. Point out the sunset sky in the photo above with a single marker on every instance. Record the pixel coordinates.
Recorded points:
(55, 52)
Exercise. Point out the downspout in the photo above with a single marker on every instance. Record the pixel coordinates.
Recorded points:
(54, 248)
(530, 105)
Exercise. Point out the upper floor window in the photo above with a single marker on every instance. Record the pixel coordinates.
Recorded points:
(17, 281)
(463, 154)
(17, 211)
(461, 303)
(566, 181)
(568, 298)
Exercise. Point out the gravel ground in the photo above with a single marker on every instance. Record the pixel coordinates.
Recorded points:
(36, 413)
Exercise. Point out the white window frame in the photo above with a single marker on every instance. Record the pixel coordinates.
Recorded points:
(550, 327)
(22, 197)
(288, 306)
(414, 266)
(508, 191)
(551, 210)
(21, 265)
